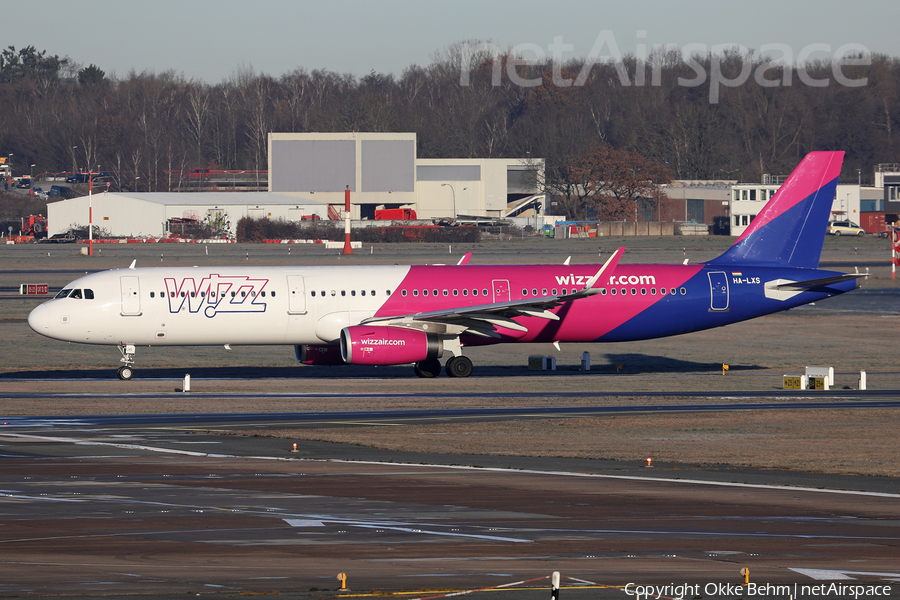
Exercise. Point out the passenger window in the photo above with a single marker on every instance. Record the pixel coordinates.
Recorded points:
(243, 294)
(474, 292)
(172, 294)
(484, 292)
(602, 291)
(465, 292)
(456, 292)
(182, 294)
(525, 293)
(415, 292)
(343, 292)
(624, 292)
(194, 294)
(652, 291)
(662, 291)
(613, 290)
(634, 291)
(362, 293)
(673, 291)
(534, 292)
(435, 292)
(333, 293)
(554, 292)
(152, 294)
(403, 293)
(643, 291)
(446, 293)
(232, 294)
(353, 293)
(312, 293)
(683, 291)
(544, 292)
(424, 292)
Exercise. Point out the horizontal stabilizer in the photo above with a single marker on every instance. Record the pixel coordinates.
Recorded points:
(815, 283)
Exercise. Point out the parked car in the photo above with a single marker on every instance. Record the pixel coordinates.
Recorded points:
(78, 178)
(24, 183)
(845, 228)
(36, 191)
(61, 191)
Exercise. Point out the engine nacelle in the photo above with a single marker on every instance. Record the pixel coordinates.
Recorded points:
(385, 345)
(319, 354)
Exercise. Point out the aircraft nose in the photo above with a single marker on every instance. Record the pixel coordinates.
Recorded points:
(40, 320)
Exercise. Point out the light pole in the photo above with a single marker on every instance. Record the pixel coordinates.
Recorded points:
(452, 199)
(74, 148)
(32, 172)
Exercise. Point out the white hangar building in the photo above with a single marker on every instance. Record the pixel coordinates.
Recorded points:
(147, 214)
(309, 172)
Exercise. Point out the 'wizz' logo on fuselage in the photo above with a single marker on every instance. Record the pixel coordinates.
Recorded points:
(216, 294)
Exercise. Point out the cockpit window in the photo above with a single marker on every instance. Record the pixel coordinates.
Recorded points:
(88, 294)
(75, 294)
(63, 293)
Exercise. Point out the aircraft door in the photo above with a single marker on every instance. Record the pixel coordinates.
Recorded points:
(296, 295)
(718, 289)
(131, 295)
(501, 290)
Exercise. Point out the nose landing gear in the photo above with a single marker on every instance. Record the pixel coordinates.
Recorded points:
(126, 372)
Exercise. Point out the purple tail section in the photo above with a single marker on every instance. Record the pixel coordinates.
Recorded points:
(790, 229)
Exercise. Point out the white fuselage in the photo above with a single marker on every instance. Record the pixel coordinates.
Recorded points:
(208, 306)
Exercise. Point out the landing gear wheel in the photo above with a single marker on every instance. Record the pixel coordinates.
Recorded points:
(428, 368)
(459, 366)
(125, 373)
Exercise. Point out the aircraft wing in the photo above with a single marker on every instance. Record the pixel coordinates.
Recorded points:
(485, 319)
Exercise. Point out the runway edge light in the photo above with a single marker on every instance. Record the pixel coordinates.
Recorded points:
(295, 448)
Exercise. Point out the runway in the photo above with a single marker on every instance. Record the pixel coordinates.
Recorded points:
(154, 506)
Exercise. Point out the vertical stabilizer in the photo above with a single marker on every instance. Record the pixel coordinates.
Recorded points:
(790, 229)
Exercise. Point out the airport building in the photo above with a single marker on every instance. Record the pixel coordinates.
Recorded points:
(308, 176)
(381, 171)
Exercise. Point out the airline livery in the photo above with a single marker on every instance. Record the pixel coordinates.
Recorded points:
(389, 315)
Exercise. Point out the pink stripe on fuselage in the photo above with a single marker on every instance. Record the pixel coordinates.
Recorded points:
(588, 318)
(813, 172)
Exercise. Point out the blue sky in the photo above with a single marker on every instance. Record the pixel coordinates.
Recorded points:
(210, 40)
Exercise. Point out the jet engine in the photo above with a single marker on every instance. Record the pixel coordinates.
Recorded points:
(319, 354)
(385, 345)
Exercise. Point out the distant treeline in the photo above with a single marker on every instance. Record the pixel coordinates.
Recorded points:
(742, 118)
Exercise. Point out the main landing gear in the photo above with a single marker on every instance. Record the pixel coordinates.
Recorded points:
(126, 372)
(457, 366)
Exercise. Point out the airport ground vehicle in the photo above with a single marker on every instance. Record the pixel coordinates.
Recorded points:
(845, 228)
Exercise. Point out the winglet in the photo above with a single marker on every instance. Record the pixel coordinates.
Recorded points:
(608, 267)
(610, 264)
(465, 259)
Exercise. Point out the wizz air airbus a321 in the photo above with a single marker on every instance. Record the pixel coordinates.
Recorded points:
(390, 315)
